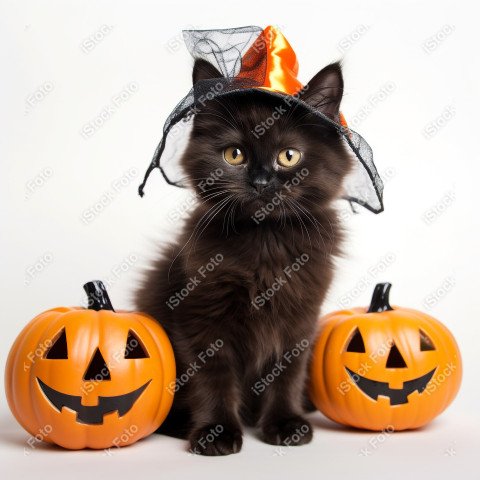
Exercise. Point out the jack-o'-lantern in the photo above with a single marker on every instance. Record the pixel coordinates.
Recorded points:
(384, 367)
(90, 378)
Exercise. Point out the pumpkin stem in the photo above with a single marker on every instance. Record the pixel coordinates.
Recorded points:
(380, 298)
(97, 296)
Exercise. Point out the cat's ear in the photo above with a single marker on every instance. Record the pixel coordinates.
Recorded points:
(325, 90)
(203, 70)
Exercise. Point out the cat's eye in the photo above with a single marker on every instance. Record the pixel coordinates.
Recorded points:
(289, 157)
(233, 156)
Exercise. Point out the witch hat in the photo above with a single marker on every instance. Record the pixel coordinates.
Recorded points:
(252, 58)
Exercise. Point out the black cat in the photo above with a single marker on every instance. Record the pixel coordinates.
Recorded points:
(239, 293)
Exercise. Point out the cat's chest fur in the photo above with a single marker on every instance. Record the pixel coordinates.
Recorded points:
(259, 256)
(270, 281)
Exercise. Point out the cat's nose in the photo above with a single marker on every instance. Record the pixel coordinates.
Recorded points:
(259, 182)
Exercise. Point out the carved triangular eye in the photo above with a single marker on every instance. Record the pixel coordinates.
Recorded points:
(58, 350)
(426, 343)
(356, 342)
(134, 347)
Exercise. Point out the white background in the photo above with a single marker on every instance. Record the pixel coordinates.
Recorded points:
(423, 134)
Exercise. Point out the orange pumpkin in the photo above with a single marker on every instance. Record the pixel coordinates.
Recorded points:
(90, 378)
(382, 367)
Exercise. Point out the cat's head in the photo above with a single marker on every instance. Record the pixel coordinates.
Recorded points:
(266, 152)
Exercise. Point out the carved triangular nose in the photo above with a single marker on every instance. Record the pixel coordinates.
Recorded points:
(97, 369)
(395, 359)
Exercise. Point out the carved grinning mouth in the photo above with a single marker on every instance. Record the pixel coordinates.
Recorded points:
(92, 415)
(397, 396)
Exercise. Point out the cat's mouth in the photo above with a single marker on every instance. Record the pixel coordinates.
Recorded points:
(269, 195)
(264, 205)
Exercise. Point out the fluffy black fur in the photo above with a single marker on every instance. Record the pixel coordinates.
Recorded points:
(256, 337)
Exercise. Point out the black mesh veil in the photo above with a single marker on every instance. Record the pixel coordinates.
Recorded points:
(240, 54)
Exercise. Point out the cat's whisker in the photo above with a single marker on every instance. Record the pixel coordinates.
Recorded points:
(219, 208)
(229, 215)
(211, 211)
(226, 217)
(313, 221)
(317, 225)
(302, 224)
(213, 195)
(233, 215)
(203, 221)
(330, 238)
(283, 220)
(188, 240)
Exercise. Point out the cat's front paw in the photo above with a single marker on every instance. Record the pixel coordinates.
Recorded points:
(291, 431)
(215, 439)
